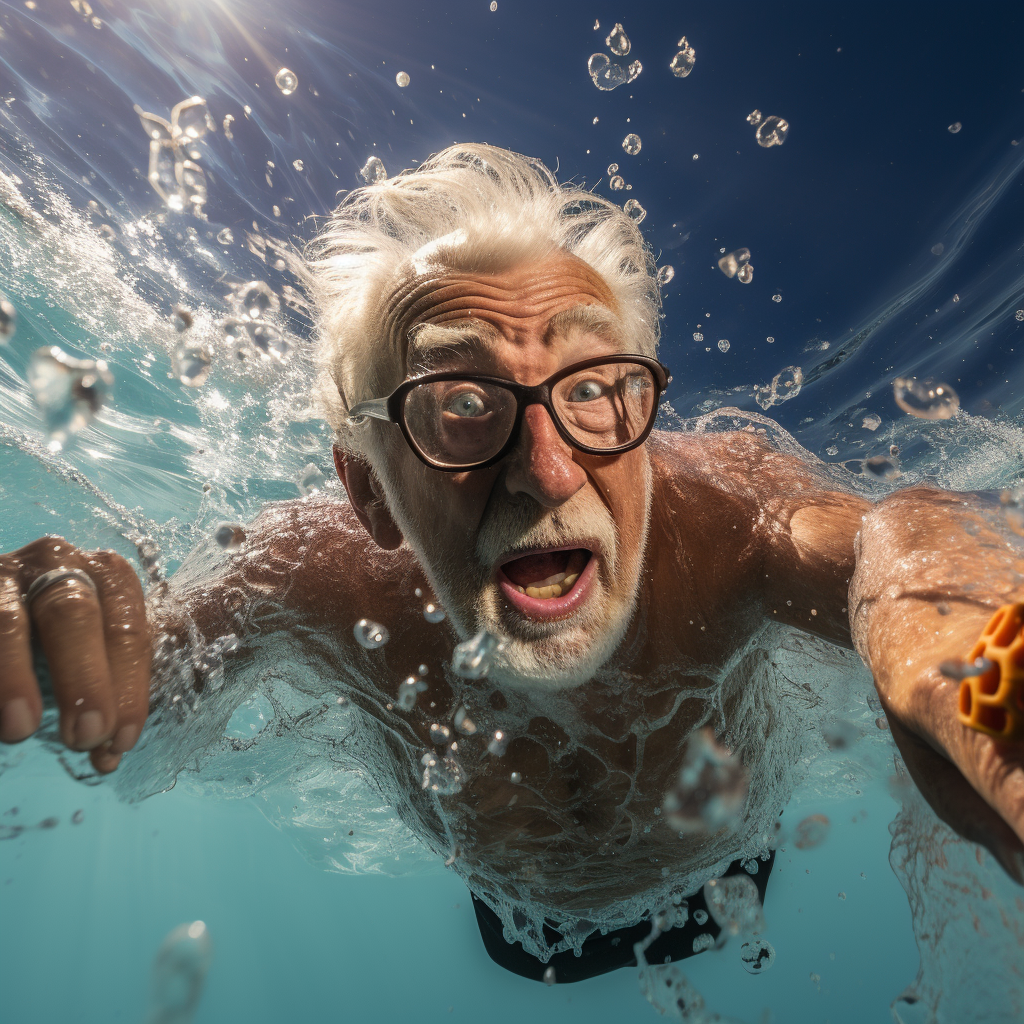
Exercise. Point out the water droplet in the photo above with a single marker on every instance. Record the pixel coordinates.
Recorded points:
(665, 274)
(257, 298)
(1019, 314)
(871, 421)
(463, 723)
(754, 118)
(373, 171)
(966, 669)
(606, 75)
(831, 450)
(745, 274)
(433, 612)
(402, 79)
(617, 183)
(549, 975)
(226, 236)
(927, 399)
(270, 342)
(697, 336)
(711, 790)
(770, 340)
(634, 211)
(230, 536)
(191, 365)
(631, 144)
(498, 743)
(772, 131)
(441, 775)
(298, 165)
(937, 249)
(494, 5)
(68, 392)
(179, 972)
(955, 127)
(723, 345)
(287, 81)
(473, 658)
(757, 956)
(618, 41)
(369, 634)
(776, 298)
(311, 480)
(881, 468)
(731, 263)
(785, 385)
(9, 320)
(682, 63)
(633, 72)
(190, 120)
(612, 169)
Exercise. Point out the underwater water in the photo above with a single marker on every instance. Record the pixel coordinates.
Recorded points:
(884, 243)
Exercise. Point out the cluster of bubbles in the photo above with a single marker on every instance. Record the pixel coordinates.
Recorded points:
(68, 392)
(771, 130)
(604, 72)
(786, 384)
(174, 171)
(711, 789)
(926, 399)
(737, 264)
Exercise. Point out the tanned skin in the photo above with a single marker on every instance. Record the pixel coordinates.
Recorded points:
(738, 534)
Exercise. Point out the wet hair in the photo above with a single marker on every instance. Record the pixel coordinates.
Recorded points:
(471, 207)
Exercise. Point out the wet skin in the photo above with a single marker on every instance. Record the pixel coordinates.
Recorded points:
(739, 534)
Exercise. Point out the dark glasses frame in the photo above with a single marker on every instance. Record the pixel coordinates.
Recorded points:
(392, 408)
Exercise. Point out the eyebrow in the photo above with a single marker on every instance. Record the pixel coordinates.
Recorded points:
(430, 344)
(588, 318)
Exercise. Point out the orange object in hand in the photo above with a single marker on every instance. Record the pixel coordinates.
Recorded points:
(993, 702)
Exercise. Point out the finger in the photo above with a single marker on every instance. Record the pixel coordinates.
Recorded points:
(127, 642)
(957, 802)
(21, 705)
(69, 621)
(103, 759)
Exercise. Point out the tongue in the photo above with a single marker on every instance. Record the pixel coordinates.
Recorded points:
(524, 571)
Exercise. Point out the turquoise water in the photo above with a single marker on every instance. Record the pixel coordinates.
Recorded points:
(843, 222)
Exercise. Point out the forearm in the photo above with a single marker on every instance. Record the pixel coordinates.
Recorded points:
(932, 567)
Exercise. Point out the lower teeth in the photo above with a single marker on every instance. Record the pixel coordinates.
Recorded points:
(555, 590)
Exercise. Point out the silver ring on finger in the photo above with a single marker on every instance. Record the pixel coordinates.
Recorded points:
(54, 576)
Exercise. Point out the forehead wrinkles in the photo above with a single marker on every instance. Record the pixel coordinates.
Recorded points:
(525, 295)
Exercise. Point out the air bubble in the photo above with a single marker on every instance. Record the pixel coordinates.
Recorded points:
(494, 5)
(745, 274)
(473, 658)
(757, 956)
(665, 274)
(370, 634)
(441, 775)
(440, 734)
(926, 399)
(776, 298)
(463, 723)
(871, 421)
(311, 480)
(880, 468)
(723, 345)
(617, 183)
(754, 118)
(955, 127)
(433, 612)
(702, 941)
(697, 336)
(8, 320)
(226, 236)
(68, 392)
(633, 72)
(191, 365)
(612, 169)
(966, 669)
(549, 975)
(735, 904)
(631, 144)
(287, 81)
(270, 342)
(1019, 314)
(373, 171)
(257, 298)
(498, 744)
(402, 78)
(711, 789)
(682, 63)
(179, 973)
(230, 536)
(731, 263)
(937, 249)
(634, 211)
(811, 832)
(786, 384)
(772, 131)
(617, 41)
(191, 120)
(770, 340)
(298, 165)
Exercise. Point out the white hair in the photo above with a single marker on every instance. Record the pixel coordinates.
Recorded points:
(471, 207)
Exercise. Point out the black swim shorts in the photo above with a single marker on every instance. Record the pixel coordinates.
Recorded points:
(604, 953)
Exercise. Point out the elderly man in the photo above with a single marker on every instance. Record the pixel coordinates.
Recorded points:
(488, 355)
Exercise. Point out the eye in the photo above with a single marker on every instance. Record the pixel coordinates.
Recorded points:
(467, 403)
(587, 391)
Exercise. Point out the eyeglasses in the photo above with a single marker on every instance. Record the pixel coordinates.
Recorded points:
(456, 421)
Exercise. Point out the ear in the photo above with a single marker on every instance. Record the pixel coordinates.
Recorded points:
(367, 500)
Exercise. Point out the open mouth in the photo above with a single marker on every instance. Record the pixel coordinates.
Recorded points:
(548, 584)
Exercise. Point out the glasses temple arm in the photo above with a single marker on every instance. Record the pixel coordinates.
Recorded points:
(375, 408)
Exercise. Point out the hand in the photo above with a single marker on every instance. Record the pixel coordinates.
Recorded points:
(974, 783)
(95, 638)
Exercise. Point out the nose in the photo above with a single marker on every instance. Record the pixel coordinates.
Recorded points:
(542, 464)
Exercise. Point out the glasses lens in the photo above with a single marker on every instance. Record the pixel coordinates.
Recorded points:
(606, 406)
(458, 423)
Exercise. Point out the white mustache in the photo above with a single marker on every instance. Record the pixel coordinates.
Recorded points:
(522, 524)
